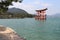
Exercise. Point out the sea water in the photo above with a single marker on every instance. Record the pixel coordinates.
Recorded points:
(32, 29)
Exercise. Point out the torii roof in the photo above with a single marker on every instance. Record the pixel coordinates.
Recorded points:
(42, 10)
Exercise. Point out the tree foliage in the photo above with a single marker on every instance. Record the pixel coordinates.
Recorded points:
(5, 3)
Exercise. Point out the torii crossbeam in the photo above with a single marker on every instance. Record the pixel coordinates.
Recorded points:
(41, 14)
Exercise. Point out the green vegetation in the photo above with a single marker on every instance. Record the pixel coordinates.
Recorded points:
(17, 15)
(5, 3)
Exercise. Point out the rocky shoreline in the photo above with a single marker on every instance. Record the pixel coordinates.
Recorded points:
(7, 33)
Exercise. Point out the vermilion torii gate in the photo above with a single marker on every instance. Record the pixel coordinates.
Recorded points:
(41, 14)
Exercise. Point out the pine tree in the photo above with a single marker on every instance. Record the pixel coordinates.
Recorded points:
(5, 3)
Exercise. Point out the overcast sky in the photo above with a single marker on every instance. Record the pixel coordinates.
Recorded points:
(31, 5)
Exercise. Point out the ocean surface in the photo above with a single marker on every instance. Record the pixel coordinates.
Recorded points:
(32, 29)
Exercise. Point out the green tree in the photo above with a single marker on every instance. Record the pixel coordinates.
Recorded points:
(5, 3)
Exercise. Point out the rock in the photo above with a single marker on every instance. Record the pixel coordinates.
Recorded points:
(7, 33)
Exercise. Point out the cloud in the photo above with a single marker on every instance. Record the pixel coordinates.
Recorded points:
(27, 7)
(36, 2)
(30, 7)
(46, 4)
(40, 3)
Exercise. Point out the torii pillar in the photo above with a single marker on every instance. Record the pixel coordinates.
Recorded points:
(41, 14)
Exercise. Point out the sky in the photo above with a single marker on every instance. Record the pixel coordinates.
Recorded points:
(31, 5)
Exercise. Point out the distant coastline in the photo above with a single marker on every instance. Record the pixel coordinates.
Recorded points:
(10, 16)
(15, 13)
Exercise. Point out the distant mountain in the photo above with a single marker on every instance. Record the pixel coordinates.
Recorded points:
(57, 15)
(16, 10)
(54, 15)
(19, 12)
